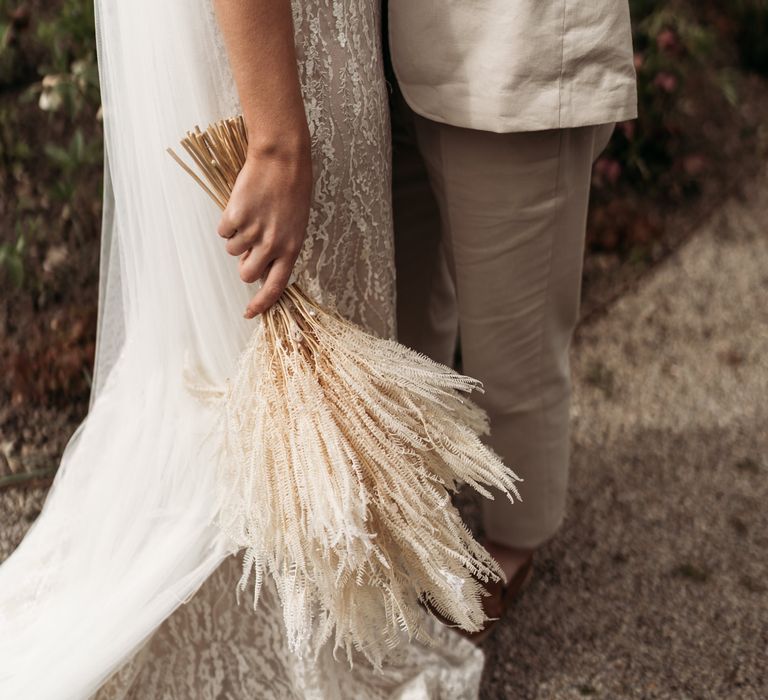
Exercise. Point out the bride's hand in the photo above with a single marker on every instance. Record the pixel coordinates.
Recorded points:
(266, 218)
(268, 209)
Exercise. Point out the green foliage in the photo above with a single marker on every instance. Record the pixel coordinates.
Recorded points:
(68, 35)
(71, 159)
(690, 88)
(58, 44)
(12, 259)
(73, 92)
(670, 45)
(71, 78)
(49, 71)
(13, 149)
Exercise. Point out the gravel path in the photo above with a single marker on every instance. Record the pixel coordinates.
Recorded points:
(657, 585)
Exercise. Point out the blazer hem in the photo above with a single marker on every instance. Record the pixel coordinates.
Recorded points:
(535, 113)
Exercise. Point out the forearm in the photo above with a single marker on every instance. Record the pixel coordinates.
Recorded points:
(259, 38)
(266, 218)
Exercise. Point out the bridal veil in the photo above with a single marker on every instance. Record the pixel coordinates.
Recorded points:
(126, 536)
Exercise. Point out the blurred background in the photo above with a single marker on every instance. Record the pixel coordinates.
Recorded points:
(675, 253)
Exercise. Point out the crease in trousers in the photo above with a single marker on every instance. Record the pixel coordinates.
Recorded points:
(489, 246)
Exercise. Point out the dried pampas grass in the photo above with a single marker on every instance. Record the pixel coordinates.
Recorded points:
(339, 454)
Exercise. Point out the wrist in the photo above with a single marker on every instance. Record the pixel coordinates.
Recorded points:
(291, 146)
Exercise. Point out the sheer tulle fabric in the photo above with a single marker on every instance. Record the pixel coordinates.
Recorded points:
(123, 587)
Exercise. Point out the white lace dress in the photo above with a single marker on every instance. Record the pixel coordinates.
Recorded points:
(210, 647)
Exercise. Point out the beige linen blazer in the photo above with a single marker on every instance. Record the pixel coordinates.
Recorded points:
(514, 65)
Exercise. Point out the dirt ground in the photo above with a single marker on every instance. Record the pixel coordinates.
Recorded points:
(657, 584)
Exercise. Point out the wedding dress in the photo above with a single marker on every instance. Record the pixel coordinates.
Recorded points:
(122, 588)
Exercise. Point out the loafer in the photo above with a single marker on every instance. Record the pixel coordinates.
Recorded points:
(500, 601)
(495, 605)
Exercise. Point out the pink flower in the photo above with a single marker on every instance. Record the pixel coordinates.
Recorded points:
(628, 128)
(665, 81)
(694, 164)
(608, 169)
(667, 40)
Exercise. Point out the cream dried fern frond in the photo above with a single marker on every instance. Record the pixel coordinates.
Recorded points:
(339, 454)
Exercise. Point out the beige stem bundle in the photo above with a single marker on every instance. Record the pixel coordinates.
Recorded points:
(340, 451)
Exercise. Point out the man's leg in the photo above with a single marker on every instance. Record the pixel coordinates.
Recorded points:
(427, 317)
(513, 208)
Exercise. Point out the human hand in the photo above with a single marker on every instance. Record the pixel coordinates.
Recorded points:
(265, 221)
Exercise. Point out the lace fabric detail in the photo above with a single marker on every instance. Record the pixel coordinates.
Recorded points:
(211, 647)
(349, 248)
(347, 258)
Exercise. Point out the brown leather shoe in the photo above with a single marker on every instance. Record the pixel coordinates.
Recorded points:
(496, 604)
(501, 598)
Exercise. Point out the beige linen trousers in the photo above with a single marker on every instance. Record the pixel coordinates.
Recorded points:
(490, 195)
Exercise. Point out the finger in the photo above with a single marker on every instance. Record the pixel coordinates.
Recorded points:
(228, 225)
(226, 232)
(254, 265)
(242, 241)
(274, 283)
